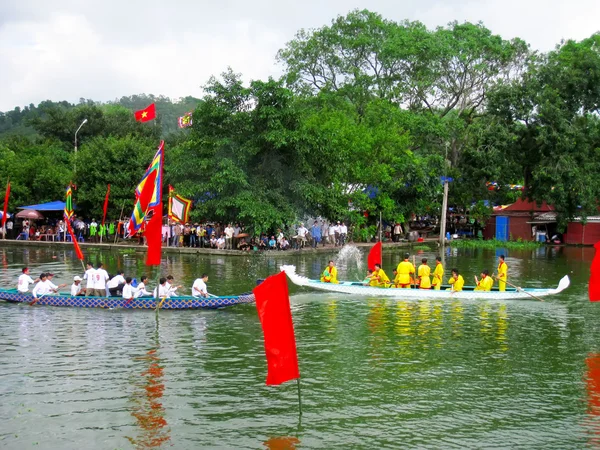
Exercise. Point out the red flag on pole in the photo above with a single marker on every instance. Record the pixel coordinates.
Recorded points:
(145, 115)
(78, 251)
(5, 211)
(105, 204)
(273, 306)
(594, 285)
(374, 256)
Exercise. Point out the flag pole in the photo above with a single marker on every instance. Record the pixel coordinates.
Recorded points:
(120, 219)
(5, 210)
(299, 397)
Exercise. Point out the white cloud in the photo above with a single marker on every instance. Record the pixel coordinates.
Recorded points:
(67, 49)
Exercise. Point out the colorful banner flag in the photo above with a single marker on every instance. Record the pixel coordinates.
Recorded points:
(105, 204)
(273, 306)
(148, 207)
(594, 284)
(374, 256)
(185, 121)
(147, 114)
(5, 210)
(179, 207)
(68, 212)
(78, 251)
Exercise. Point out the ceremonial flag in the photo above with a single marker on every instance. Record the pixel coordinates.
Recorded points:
(78, 251)
(273, 306)
(594, 284)
(6, 196)
(185, 121)
(374, 256)
(105, 204)
(148, 207)
(68, 212)
(179, 207)
(145, 115)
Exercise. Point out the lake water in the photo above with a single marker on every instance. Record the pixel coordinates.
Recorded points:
(376, 373)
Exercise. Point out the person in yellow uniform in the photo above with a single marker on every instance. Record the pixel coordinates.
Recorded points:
(405, 270)
(329, 275)
(502, 273)
(486, 282)
(438, 274)
(456, 281)
(379, 277)
(423, 273)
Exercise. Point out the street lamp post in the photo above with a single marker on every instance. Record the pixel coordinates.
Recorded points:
(82, 124)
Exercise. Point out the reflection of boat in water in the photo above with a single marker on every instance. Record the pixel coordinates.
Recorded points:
(357, 288)
(182, 302)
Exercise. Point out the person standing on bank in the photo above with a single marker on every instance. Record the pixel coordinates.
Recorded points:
(502, 273)
(315, 231)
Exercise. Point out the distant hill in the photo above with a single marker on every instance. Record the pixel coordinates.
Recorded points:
(17, 121)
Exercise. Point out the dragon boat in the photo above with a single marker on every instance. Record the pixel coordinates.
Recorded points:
(468, 292)
(181, 302)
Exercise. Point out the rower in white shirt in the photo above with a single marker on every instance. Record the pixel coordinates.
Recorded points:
(90, 277)
(141, 288)
(116, 283)
(171, 287)
(76, 287)
(53, 288)
(129, 291)
(24, 281)
(199, 288)
(163, 290)
(100, 281)
(41, 288)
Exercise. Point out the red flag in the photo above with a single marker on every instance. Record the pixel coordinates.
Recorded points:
(145, 115)
(374, 256)
(273, 306)
(4, 217)
(153, 235)
(78, 251)
(105, 204)
(594, 285)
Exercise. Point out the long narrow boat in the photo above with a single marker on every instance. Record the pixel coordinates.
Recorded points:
(357, 288)
(182, 302)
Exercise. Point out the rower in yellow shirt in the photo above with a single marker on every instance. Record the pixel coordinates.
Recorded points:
(502, 273)
(405, 269)
(486, 282)
(456, 281)
(423, 273)
(438, 274)
(329, 275)
(379, 277)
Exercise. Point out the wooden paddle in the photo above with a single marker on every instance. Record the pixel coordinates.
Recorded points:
(34, 301)
(519, 289)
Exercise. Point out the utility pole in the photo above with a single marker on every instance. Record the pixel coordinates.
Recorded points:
(444, 209)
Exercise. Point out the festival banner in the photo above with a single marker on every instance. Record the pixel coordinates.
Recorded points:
(594, 284)
(78, 251)
(185, 121)
(68, 212)
(374, 256)
(275, 315)
(5, 210)
(147, 114)
(105, 204)
(179, 207)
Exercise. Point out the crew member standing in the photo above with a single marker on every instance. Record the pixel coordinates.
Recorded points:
(405, 269)
(502, 273)
(438, 274)
(423, 273)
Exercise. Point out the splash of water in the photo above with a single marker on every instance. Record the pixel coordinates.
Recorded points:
(350, 260)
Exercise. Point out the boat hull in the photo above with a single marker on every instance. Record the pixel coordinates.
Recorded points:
(354, 288)
(12, 295)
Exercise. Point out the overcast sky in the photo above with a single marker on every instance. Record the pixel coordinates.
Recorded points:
(68, 49)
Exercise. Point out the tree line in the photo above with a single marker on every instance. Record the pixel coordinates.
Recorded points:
(367, 117)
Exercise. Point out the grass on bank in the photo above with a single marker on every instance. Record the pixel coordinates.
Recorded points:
(493, 243)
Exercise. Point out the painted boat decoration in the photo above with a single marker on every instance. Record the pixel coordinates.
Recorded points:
(182, 302)
(357, 288)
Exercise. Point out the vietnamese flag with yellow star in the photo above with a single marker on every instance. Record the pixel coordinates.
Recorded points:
(145, 115)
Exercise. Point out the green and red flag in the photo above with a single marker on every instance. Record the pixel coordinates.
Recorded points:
(105, 204)
(69, 203)
(146, 114)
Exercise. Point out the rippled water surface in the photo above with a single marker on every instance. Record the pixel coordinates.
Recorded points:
(376, 373)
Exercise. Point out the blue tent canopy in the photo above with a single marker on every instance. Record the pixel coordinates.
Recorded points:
(50, 206)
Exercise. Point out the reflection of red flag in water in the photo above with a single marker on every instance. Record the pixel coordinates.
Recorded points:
(594, 285)
(78, 251)
(6, 196)
(593, 383)
(105, 204)
(374, 256)
(273, 306)
(282, 443)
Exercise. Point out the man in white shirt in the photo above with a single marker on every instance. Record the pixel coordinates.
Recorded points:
(163, 291)
(41, 288)
(331, 233)
(229, 236)
(90, 277)
(302, 230)
(170, 286)
(199, 287)
(24, 281)
(76, 288)
(53, 288)
(129, 291)
(343, 234)
(141, 288)
(116, 283)
(222, 243)
(101, 277)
